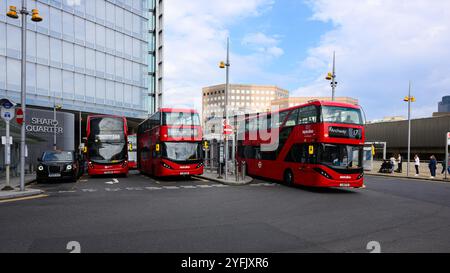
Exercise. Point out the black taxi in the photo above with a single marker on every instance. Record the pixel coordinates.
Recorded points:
(58, 166)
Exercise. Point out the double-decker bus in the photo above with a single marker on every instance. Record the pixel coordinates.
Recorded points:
(132, 151)
(106, 145)
(318, 144)
(170, 143)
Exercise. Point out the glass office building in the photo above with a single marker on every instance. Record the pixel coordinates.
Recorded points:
(94, 56)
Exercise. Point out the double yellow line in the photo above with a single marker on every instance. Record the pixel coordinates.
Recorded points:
(23, 198)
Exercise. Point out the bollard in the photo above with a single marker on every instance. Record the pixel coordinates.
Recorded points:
(243, 170)
(236, 170)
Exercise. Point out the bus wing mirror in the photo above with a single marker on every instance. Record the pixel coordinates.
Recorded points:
(311, 149)
(157, 148)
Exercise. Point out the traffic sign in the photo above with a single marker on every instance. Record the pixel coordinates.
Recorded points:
(227, 130)
(7, 114)
(19, 116)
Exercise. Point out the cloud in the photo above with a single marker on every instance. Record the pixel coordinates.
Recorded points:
(263, 44)
(195, 42)
(380, 46)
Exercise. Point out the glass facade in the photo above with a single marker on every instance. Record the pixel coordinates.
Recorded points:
(90, 55)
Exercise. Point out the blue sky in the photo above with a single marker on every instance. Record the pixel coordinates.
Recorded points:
(380, 46)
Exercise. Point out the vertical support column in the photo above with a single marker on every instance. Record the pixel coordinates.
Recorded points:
(23, 100)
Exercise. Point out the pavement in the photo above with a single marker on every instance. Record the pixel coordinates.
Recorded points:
(424, 172)
(16, 193)
(152, 215)
(214, 176)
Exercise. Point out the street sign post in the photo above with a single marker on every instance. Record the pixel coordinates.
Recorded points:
(7, 113)
(447, 143)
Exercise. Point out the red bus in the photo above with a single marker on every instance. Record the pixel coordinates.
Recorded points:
(170, 143)
(132, 151)
(106, 145)
(318, 144)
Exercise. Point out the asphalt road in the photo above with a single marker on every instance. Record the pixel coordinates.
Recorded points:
(141, 214)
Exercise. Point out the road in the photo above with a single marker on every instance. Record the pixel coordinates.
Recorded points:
(142, 214)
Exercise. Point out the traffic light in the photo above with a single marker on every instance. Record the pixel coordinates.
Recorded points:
(407, 99)
(329, 76)
(12, 13)
(35, 17)
(222, 65)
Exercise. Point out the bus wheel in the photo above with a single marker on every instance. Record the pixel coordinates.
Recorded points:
(288, 178)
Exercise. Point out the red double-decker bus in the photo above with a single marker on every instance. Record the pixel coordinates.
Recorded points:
(318, 144)
(106, 145)
(170, 143)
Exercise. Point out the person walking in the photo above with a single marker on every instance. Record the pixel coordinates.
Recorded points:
(400, 163)
(444, 167)
(417, 164)
(432, 166)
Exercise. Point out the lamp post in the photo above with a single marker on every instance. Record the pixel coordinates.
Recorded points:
(331, 76)
(35, 17)
(227, 86)
(409, 99)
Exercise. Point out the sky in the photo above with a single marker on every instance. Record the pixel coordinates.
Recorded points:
(381, 45)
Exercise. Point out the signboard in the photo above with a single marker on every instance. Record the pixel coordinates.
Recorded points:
(7, 114)
(19, 116)
(343, 132)
(227, 130)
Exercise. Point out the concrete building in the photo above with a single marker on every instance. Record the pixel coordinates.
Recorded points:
(427, 136)
(294, 101)
(89, 56)
(388, 119)
(242, 98)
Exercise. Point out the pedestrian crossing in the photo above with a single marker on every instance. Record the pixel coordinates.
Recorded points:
(156, 188)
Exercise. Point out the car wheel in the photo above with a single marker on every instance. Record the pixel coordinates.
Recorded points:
(288, 178)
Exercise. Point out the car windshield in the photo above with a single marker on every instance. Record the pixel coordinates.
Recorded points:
(57, 156)
(181, 118)
(334, 114)
(182, 151)
(341, 156)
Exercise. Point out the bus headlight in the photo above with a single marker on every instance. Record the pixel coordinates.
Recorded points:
(322, 172)
(199, 165)
(360, 176)
(69, 167)
(165, 165)
(41, 168)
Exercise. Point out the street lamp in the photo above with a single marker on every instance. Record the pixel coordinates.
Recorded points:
(331, 76)
(35, 17)
(226, 65)
(409, 99)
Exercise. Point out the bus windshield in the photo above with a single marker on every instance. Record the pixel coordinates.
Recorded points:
(181, 118)
(335, 114)
(188, 152)
(106, 141)
(341, 156)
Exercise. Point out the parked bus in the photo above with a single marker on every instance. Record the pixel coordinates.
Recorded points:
(106, 145)
(320, 144)
(132, 151)
(170, 143)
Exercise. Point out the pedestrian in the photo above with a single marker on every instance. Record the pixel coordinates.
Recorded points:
(392, 159)
(400, 163)
(417, 164)
(444, 167)
(432, 166)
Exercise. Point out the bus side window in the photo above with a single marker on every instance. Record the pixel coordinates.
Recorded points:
(292, 118)
(308, 115)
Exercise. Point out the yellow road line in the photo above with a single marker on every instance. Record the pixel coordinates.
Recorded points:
(24, 198)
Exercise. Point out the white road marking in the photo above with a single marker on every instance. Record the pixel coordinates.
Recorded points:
(153, 188)
(171, 187)
(113, 190)
(204, 186)
(67, 191)
(188, 187)
(220, 186)
(134, 189)
(88, 190)
(115, 180)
